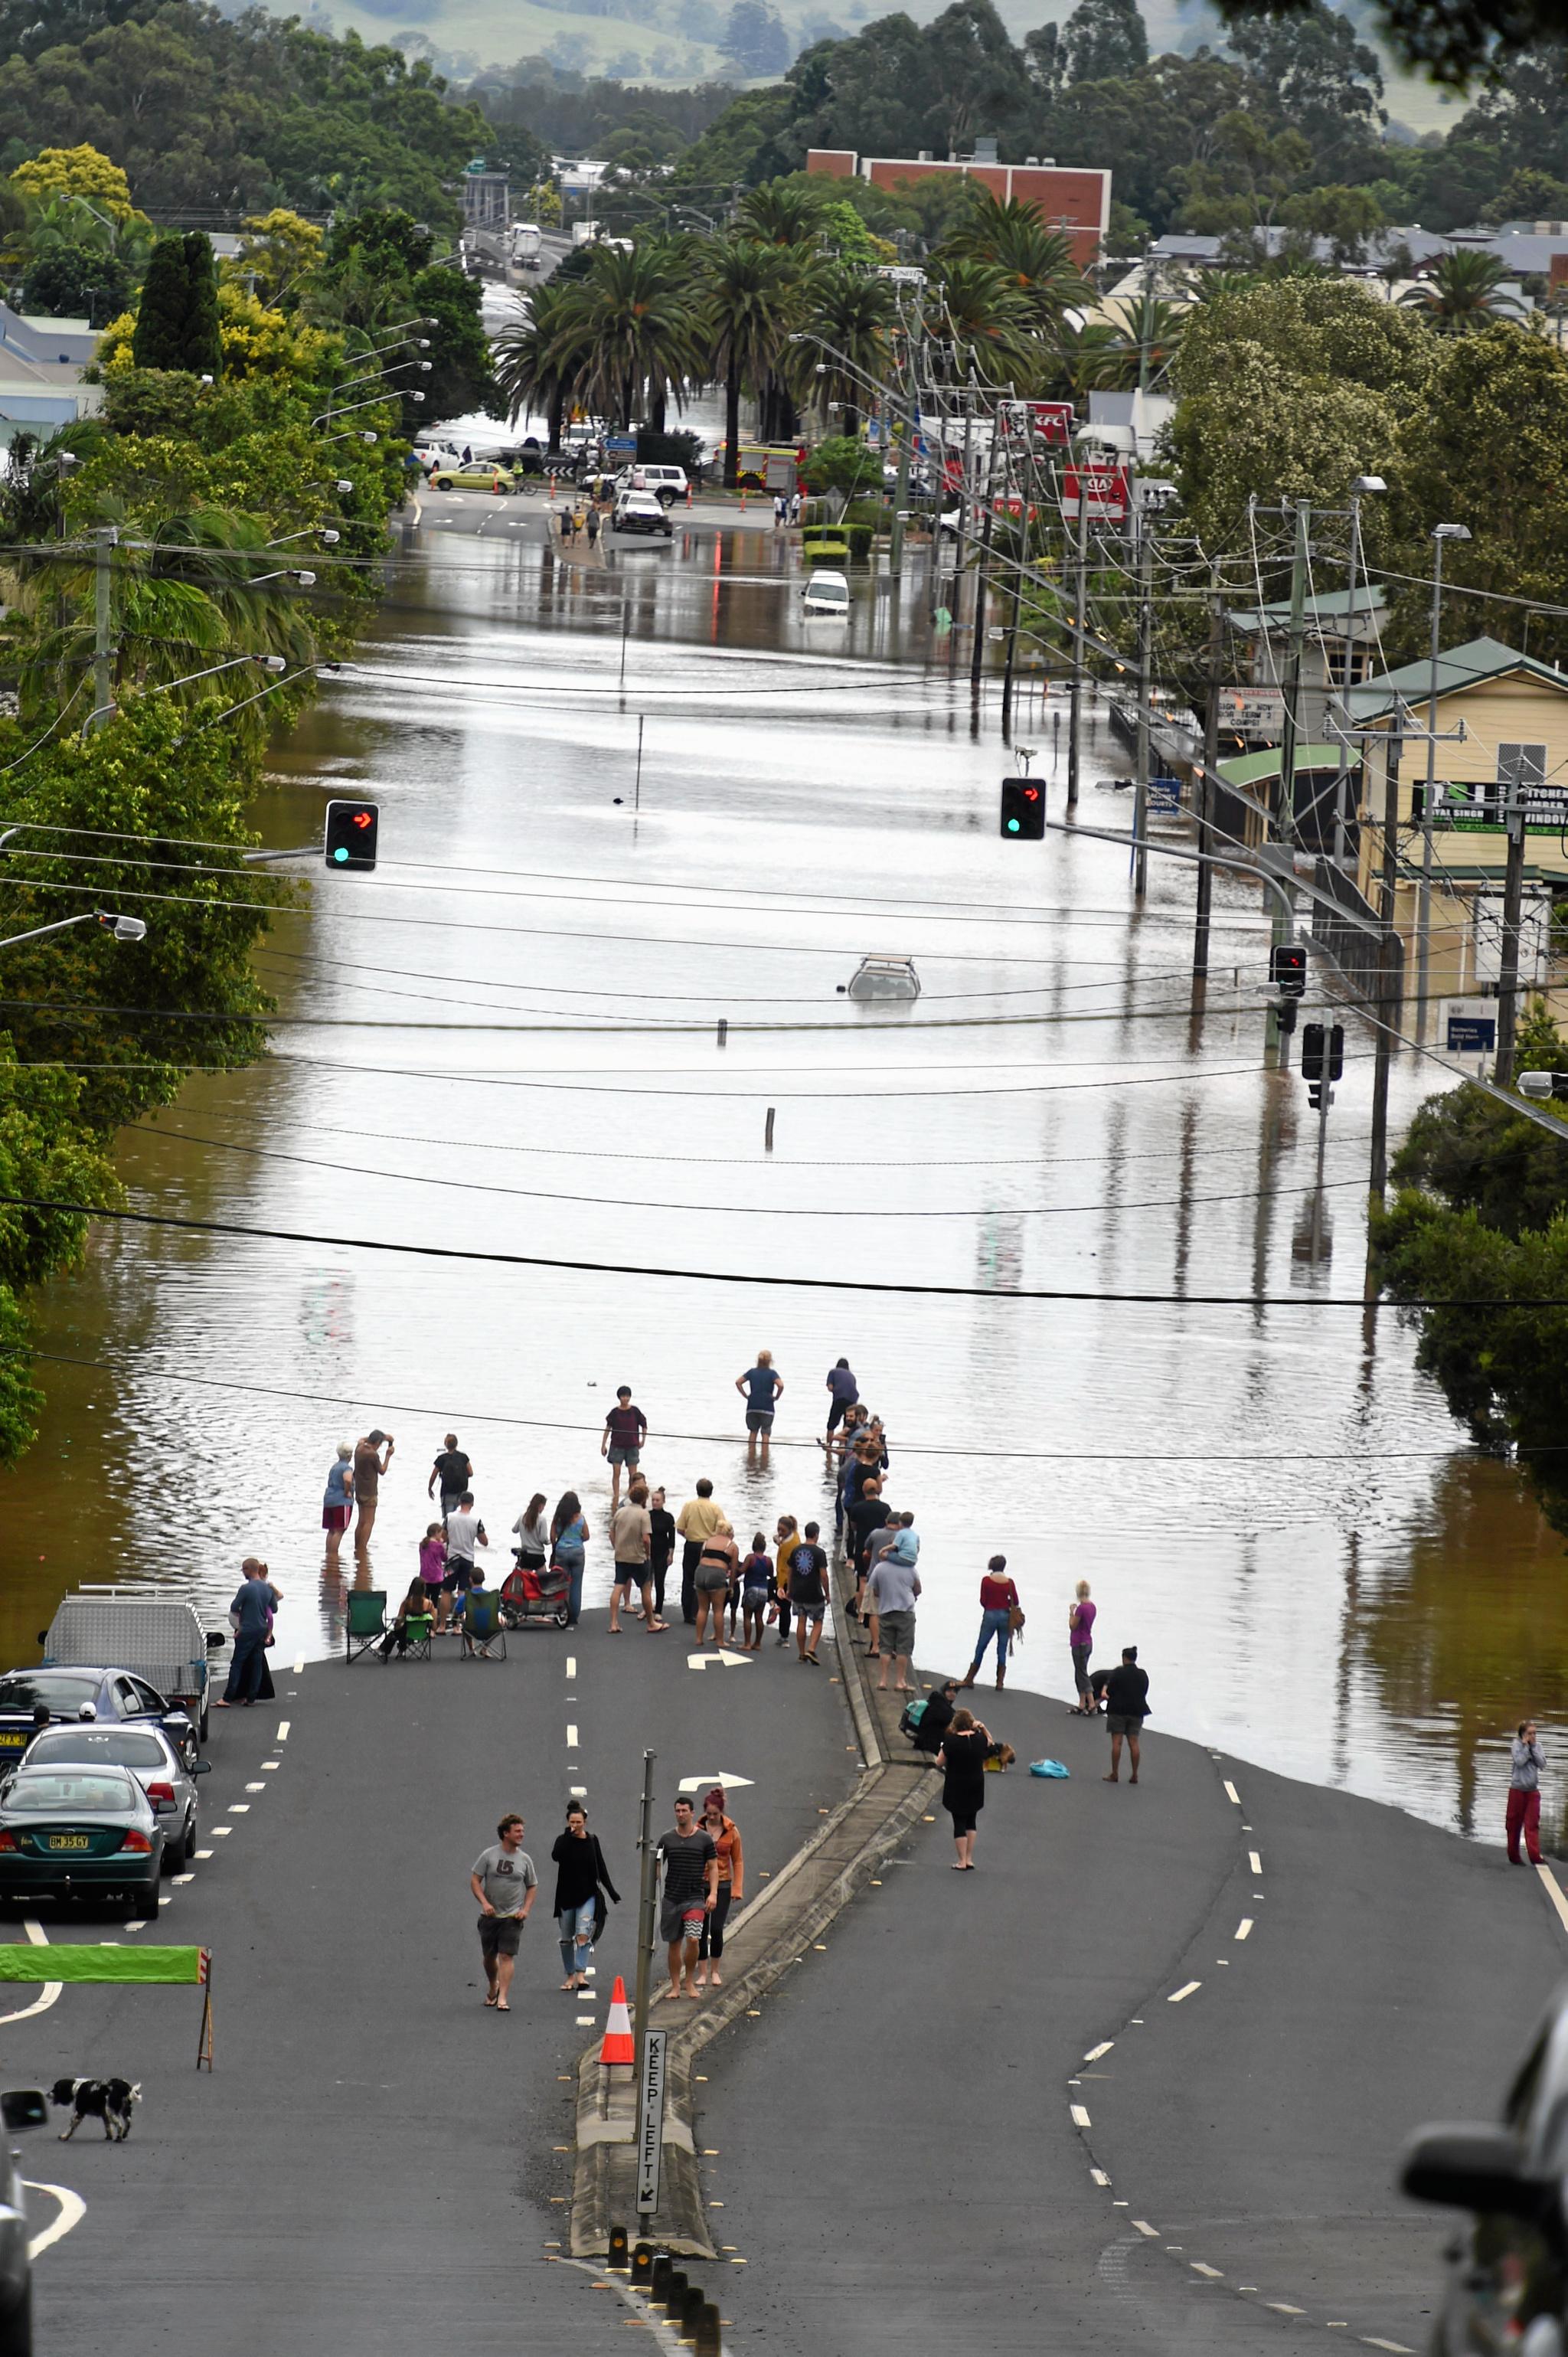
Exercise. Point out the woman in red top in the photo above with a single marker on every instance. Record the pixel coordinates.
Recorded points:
(731, 1889)
(998, 1602)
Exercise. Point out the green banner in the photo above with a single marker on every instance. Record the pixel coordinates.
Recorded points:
(77, 1961)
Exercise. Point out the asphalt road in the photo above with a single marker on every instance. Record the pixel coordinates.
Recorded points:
(1248, 2128)
(375, 2163)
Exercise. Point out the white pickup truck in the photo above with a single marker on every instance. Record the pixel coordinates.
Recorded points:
(155, 1633)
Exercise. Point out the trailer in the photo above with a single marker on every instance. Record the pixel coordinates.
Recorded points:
(156, 1633)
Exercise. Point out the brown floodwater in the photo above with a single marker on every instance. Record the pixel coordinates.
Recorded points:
(620, 802)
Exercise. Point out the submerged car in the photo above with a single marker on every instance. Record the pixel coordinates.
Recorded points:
(826, 593)
(78, 1833)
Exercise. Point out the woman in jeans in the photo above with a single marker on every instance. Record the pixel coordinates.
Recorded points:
(998, 1602)
(569, 1536)
(580, 1872)
(1524, 1793)
(1081, 1641)
(725, 1835)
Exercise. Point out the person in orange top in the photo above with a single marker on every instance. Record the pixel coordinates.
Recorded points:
(725, 1837)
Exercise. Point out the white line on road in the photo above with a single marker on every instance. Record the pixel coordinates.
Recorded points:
(1145, 2228)
(1244, 1928)
(239, 1808)
(1176, 1996)
(1553, 1892)
(1283, 2307)
(51, 1989)
(1231, 1793)
(1095, 2053)
(1398, 2347)
(1099, 2177)
(256, 1788)
(1255, 1861)
(73, 2211)
(177, 1879)
(272, 1763)
(283, 1726)
(222, 1833)
(1214, 2275)
(571, 1734)
(204, 1852)
(299, 1666)
(139, 1926)
(1080, 2119)
(571, 1665)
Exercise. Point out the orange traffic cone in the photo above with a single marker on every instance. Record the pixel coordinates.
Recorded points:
(617, 2046)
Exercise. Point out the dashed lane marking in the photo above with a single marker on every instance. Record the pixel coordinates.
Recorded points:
(139, 1926)
(571, 1734)
(283, 1726)
(571, 1665)
(1145, 2228)
(272, 1763)
(256, 1788)
(1099, 2177)
(1214, 2275)
(1255, 1862)
(239, 1808)
(299, 1665)
(222, 1833)
(1397, 2347)
(1283, 2307)
(73, 2211)
(177, 1879)
(1231, 1793)
(1244, 1928)
(1178, 1996)
(1095, 2053)
(204, 1852)
(49, 1993)
(1080, 2119)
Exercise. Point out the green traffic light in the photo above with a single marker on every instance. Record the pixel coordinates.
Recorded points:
(1011, 827)
(340, 855)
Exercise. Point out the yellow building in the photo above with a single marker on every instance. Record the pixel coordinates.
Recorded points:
(1513, 712)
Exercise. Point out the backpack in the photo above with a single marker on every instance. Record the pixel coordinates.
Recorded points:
(913, 1713)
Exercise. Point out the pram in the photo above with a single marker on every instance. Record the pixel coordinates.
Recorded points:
(534, 1596)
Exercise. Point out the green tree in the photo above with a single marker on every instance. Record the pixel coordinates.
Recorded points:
(1104, 40)
(635, 319)
(750, 304)
(176, 322)
(1463, 293)
(538, 356)
(1035, 259)
(853, 314)
(843, 464)
(204, 345)
(76, 282)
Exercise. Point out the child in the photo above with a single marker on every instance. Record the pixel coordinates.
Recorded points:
(433, 1564)
(755, 1579)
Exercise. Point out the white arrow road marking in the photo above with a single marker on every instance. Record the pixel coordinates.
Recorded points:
(725, 1661)
(73, 2211)
(51, 1989)
(724, 1776)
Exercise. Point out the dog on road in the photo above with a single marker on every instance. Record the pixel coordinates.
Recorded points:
(109, 2099)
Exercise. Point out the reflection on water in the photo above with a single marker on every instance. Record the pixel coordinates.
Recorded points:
(506, 1041)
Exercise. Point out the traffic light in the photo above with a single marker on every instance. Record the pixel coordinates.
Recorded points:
(1287, 968)
(1321, 1059)
(1023, 810)
(351, 831)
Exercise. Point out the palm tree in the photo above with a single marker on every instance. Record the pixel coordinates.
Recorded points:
(1464, 291)
(538, 356)
(750, 305)
(1157, 323)
(852, 313)
(988, 317)
(1090, 357)
(1035, 258)
(635, 321)
(780, 212)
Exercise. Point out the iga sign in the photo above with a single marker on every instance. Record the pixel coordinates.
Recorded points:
(1098, 489)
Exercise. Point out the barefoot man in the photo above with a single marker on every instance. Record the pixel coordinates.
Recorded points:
(690, 1865)
(503, 1881)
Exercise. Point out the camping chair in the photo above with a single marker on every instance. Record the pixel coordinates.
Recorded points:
(417, 1627)
(367, 1622)
(484, 1639)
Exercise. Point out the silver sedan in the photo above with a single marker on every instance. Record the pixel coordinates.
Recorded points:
(152, 1759)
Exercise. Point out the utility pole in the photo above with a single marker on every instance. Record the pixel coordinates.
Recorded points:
(1141, 757)
(906, 441)
(1391, 961)
(1206, 790)
(978, 647)
(644, 1925)
(1513, 904)
(1440, 532)
(102, 651)
(1080, 581)
(1290, 731)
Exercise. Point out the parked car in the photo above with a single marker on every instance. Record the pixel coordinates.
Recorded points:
(478, 475)
(1508, 2285)
(75, 1833)
(105, 1695)
(668, 484)
(640, 511)
(154, 1634)
(20, 2107)
(826, 593)
(152, 1759)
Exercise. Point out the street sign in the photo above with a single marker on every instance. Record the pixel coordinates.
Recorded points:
(1165, 793)
(1472, 1026)
(650, 2120)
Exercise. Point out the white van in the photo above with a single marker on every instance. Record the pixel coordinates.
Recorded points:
(826, 593)
(668, 484)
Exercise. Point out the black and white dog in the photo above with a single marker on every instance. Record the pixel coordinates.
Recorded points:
(109, 2099)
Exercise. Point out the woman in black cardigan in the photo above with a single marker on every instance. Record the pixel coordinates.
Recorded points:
(580, 1873)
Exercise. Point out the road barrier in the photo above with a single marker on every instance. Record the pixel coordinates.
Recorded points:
(152, 1968)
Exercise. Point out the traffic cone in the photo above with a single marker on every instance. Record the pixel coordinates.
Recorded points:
(617, 2046)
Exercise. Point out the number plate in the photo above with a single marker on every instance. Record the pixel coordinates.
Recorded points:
(12, 1740)
(68, 1841)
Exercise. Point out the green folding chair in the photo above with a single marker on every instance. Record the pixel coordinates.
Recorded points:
(366, 1624)
(484, 1639)
(417, 1628)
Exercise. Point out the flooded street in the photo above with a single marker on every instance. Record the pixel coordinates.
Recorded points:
(620, 802)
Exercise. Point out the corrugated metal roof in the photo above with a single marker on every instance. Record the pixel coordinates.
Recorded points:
(1458, 668)
(1260, 769)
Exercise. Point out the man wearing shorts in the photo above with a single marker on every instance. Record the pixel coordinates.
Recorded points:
(464, 1532)
(695, 1524)
(809, 1591)
(503, 1881)
(1126, 1709)
(631, 1534)
(761, 1387)
(689, 1866)
(626, 1429)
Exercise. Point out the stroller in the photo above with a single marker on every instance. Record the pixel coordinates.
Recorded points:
(534, 1596)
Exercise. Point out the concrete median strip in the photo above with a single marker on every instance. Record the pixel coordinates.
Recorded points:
(768, 1938)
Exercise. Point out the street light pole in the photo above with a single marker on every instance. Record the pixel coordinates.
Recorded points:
(1440, 532)
(125, 929)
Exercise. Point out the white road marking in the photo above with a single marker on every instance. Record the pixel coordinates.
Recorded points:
(571, 1734)
(49, 1994)
(1080, 2119)
(586, 2021)
(1553, 1892)
(1214, 2275)
(136, 1927)
(204, 1852)
(1231, 1793)
(239, 1808)
(1177, 1996)
(283, 1726)
(1099, 2177)
(164, 1899)
(571, 1665)
(73, 2211)
(1095, 2053)
(272, 1763)
(1244, 1928)
(1145, 2228)
(1255, 1861)
(299, 1665)
(1283, 2307)
(256, 1788)
(177, 1879)
(700, 1781)
(222, 1833)
(1397, 2346)
(576, 1791)
(704, 1660)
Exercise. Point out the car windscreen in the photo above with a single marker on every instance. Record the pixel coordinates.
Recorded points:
(118, 1746)
(24, 1689)
(49, 1791)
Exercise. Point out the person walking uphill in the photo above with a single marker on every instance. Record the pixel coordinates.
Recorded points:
(725, 1835)
(1126, 1709)
(580, 1874)
(1524, 1793)
(762, 1387)
(626, 1430)
(251, 1614)
(503, 1881)
(998, 1603)
(689, 1862)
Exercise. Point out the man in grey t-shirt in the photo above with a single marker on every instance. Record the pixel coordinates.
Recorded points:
(891, 1592)
(503, 1881)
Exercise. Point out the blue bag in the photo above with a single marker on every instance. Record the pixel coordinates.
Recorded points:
(1047, 1767)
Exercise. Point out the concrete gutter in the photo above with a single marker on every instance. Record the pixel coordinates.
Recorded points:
(890, 1796)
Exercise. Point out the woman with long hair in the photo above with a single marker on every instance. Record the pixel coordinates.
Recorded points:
(580, 1874)
(962, 1762)
(532, 1533)
(569, 1536)
(725, 1837)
